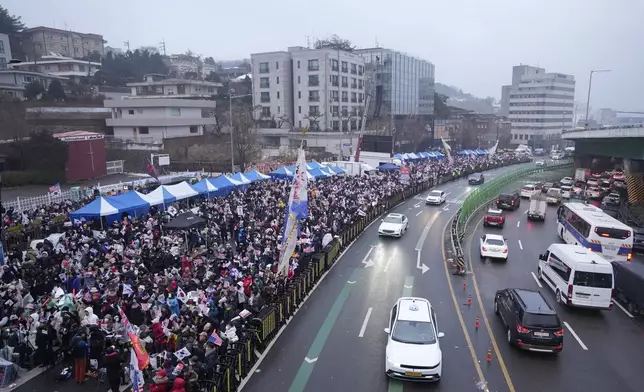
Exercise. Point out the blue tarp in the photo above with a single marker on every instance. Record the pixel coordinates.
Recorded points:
(313, 165)
(241, 178)
(130, 202)
(205, 187)
(282, 173)
(254, 176)
(317, 173)
(97, 208)
(388, 166)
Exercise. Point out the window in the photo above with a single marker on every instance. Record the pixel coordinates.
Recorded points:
(334, 65)
(354, 98)
(314, 65)
(334, 81)
(2, 47)
(360, 84)
(559, 267)
(314, 96)
(354, 83)
(175, 112)
(335, 96)
(194, 129)
(354, 125)
(335, 111)
(3, 62)
(265, 97)
(263, 67)
(394, 311)
(314, 80)
(335, 125)
(360, 97)
(299, 95)
(299, 124)
(345, 67)
(139, 111)
(278, 95)
(277, 80)
(314, 110)
(263, 83)
(278, 109)
(130, 111)
(298, 64)
(593, 279)
(354, 69)
(266, 111)
(144, 130)
(360, 70)
(277, 65)
(298, 79)
(345, 96)
(345, 81)
(299, 110)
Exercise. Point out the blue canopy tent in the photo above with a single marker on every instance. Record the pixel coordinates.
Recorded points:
(388, 166)
(282, 173)
(100, 207)
(255, 176)
(241, 178)
(205, 187)
(224, 185)
(131, 202)
(413, 156)
(336, 170)
(159, 196)
(481, 152)
(313, 165)
(423, 155)
(318, 173)
(398, 156)
(326, 171)
(438, 155)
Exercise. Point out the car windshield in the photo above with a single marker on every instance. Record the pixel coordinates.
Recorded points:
(540, 320)
(435, 193)
(393, 219)
(554, 192)
(494, 241)
(475, 176)
(593, 279)
(593, 189)
(505, 197)
(414, 332)
(493, 213)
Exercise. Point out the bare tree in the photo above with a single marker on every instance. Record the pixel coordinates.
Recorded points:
(284, 119)
(314, 122)
(245, 141)
(335, 42)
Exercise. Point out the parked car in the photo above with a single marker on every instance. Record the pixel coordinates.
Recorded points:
(494, 217)
(476, 179)
(541, 163)
(508, 201)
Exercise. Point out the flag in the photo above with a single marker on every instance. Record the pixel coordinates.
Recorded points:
(215, 338)
(142, 356)
(448, 151)
(181, 354)
(136, 375)
(127, 289)
(55, 189)
(152, 171)
(297, 209)
(181, 295)
(492, 150)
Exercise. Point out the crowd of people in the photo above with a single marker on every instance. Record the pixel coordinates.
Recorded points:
(82, 295)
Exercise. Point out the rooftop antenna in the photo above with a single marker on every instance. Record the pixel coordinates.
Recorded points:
(308, 42)
(377, 45)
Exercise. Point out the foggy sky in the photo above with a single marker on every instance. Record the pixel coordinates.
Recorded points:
(473, 43)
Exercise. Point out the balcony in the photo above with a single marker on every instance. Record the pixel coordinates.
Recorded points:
(314, 83)
(314, 67)
(264, 70)
(265, 100)
(345, 70)
(354, 86)
(314, 98)
(314, 114)
(345, 85)
(264, 85)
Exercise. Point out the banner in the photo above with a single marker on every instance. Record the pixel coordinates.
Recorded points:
(136, 375)
(404, 175)
(448, 151)
(142, 356)
(297, 209)
(492, 150)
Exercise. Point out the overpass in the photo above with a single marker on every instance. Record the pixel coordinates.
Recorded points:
(625, 142)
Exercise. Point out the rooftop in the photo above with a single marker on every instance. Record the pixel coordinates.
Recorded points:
(44, 75)
(159, 102)
(39, 28)
(166, 82)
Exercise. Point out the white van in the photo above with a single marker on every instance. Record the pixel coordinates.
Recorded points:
(578, 276)
(529, 189)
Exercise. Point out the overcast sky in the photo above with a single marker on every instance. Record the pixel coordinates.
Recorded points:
(473, 43)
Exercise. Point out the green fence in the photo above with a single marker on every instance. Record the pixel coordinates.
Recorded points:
(488, 191)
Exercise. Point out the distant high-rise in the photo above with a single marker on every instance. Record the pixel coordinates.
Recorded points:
(539, 105)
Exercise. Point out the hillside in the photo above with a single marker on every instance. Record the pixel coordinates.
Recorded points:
(463, 100)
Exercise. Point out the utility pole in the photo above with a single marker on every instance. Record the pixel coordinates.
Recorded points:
(162, 46)
(590, 84)
(127, 45)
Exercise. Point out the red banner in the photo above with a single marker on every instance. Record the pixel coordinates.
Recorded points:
(141, 355)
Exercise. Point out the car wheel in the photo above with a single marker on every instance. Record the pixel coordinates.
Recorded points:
(496, 307)
(539, 274)
(558, 296)
(482, 257)
(484, 224)
(509, 336)
(501, 226)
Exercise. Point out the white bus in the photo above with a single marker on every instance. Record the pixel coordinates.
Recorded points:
(588, 226)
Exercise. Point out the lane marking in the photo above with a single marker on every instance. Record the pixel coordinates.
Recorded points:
(518, 223)
(525, 212)
(304, 373)
(420, 212)
(417, 205)
(364, 259)
(536, 280)
(623, 309)
(448, 193)
(351, 281)
(428, 226)
(520, 245)
(365, 322)
(390, 259)
(409, 285)
(421, 266)
(574, 335)
(310, 360)
(486, 321)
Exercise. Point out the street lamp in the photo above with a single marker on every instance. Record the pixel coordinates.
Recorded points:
(590, 84)
(230, 125)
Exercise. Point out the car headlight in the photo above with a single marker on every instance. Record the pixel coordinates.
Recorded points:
(393, 364)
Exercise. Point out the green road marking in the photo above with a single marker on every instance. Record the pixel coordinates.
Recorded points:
(397, 385)
(303, 374)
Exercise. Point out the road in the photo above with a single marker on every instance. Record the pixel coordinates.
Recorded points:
(606, 353)
(337, 342)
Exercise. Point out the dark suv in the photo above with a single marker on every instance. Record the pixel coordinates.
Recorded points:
(476, 179)
(530, 322)
(508, 201)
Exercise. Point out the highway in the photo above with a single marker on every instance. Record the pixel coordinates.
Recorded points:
(603, 351)
(336, 340)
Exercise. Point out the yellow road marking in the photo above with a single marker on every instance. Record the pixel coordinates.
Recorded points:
(477, 293)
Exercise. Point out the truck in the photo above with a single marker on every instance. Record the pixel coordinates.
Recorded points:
(581, 174)
(538, 207)
(629, 285)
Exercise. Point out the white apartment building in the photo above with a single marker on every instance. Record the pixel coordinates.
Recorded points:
(55, 64)
(180, 64)
(5, 51)
(314, 89)
(539, 105)
(160, 86)
(41, 41)
(13, 82)
(152, 120)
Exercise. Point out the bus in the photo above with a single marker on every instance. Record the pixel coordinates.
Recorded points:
(589, 226)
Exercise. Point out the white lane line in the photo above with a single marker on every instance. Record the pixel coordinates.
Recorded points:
(419, 212)
(417, 204)
(525, 212)
(389, 260)
(364, 259)
(623, 309)
(574, 335)
(520, 245)
(448, 193)
(365, 322)
(421, 240)
(536, 280)
(518, 223)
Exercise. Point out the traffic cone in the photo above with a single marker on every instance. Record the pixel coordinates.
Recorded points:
(489, 354)
(469, 300)
(476, 323)
(464, 284)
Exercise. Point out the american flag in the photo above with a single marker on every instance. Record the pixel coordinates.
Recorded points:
(55, 188)
(214, 338)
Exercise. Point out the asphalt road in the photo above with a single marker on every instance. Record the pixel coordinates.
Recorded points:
(337, 342)
(607, 352)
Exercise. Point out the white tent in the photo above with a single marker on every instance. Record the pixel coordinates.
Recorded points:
(182, 190)
(159, 196)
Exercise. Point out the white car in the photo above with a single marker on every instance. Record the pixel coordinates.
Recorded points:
(566, 181)
(566, 191)
(593, 193)
(493, 246)
(528, 190)
(413, 349)
(436, 197)
(540, 163)
(394, 225)
(592, 182)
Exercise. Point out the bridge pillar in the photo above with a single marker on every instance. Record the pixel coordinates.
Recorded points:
(583, 161)
(634, 180)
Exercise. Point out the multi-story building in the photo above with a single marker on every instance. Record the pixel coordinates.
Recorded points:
(41, 41)
(73, 69)
(313, 89)
(539, 105)
(160, 86)
(152, 120)
(180, 64)
(474, 130)
(5, 51)
(13, 82)
(402, 85)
